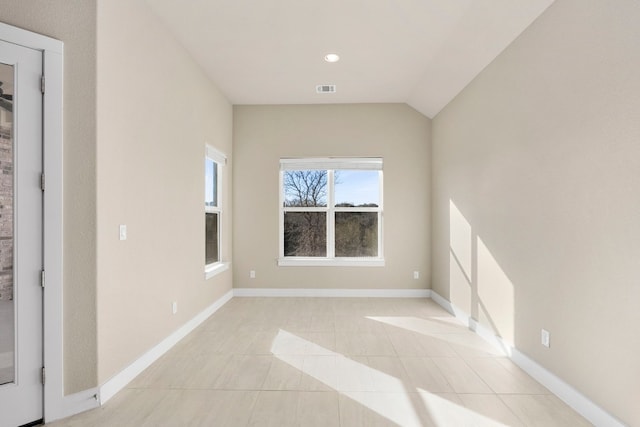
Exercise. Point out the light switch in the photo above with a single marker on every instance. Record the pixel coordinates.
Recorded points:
(545, 337)
(123, 232)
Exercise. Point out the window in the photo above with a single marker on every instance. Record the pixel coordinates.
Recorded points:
(214, 163)
(331, 212)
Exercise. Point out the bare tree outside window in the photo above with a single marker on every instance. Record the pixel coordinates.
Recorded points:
(306, 188)
(305, 233)
(356, 234)
(354, 217)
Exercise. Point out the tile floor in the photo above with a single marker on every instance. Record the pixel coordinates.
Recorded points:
(332, 362)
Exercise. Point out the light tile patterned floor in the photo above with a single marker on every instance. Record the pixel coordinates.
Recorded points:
(332, 362)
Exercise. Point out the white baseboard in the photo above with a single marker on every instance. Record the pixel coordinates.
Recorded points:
(124, 377)
(75, 403)
(572, 397)
(455, 311)
(332, 293)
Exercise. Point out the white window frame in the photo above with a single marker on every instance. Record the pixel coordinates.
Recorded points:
(220, 159)
(331, 164)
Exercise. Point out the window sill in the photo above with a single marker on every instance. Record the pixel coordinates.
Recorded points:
(215, 269)
(334, 262)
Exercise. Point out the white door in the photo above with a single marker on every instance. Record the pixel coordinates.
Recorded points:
(21, 340)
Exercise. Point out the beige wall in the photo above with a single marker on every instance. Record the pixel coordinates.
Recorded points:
(264, 134)
(156, 110)
(152, 127)
(536, 166)
(74, 23)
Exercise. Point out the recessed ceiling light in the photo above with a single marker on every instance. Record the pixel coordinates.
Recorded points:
(332, 57)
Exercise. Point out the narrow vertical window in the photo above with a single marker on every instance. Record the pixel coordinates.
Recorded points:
(214, 163)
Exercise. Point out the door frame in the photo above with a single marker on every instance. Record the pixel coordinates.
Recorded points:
(56, 404)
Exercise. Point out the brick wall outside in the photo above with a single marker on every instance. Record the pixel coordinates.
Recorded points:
(6, 213)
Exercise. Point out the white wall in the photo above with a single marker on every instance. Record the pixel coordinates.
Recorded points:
(396, 132)
(156, 110)
(536, 171)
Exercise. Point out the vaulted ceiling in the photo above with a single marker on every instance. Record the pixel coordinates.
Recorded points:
(422, 52)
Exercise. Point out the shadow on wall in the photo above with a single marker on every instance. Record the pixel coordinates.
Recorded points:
(477, 283)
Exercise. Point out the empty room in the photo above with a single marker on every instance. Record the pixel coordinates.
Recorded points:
(304, 213)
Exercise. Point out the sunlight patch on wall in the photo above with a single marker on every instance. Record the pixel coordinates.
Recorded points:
(460, 239)
(460, 291)
(495, 295)
(460, 259)
(477, 283)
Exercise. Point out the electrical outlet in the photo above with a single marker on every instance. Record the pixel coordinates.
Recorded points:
(545, 338)
(416, 275)
(174, 307)
(252, 274)
(123, 232)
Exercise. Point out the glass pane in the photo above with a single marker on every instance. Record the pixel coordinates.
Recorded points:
(305, 234)
(211, 253)
(356, 234)
(210, 183)
(305, 188)
(7, 318)
(357, 188)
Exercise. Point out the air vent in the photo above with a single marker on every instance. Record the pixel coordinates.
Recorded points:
(326, 89)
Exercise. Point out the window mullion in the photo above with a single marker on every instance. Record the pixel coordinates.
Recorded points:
(281, 248)
(331, 237)
(380, 213)
(219, 205)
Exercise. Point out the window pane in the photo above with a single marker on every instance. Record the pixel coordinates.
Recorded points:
(8, 326)
(356, 234)
(305, 234)
(305, 188)
(211, 183)
(357, 188)
(211, 243)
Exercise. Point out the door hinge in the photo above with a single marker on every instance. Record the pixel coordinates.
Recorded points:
(42, 81)
(42, 278)
(42, 181)
(44, 376)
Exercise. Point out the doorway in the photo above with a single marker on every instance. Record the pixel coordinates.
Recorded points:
(21, 236)
(56, 404)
